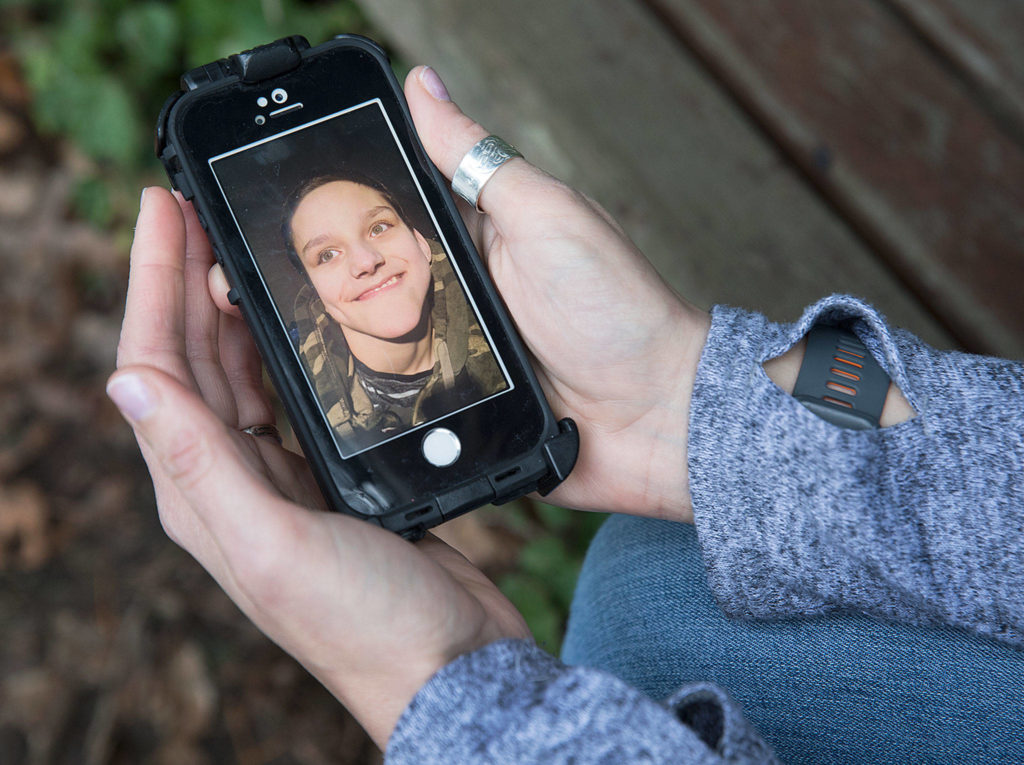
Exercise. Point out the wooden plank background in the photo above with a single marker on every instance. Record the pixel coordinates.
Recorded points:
(767, 153)
(901, 147)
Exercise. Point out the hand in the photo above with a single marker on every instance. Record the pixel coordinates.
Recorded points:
(615, 348)
(369, 614)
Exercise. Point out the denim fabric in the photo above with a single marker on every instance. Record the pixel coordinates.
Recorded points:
(829, 689)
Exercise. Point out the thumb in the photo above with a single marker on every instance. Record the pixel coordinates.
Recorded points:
(448, 134)
(186, 443)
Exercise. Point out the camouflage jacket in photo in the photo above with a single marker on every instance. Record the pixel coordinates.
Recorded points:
(465, 370)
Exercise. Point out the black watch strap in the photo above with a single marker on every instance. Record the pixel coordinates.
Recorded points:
(839, 379)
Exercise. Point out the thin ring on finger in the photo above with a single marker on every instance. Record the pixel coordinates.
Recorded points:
(259, 431)
(479, 165)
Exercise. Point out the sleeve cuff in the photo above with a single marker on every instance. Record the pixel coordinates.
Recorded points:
(512, 702)
(765, 471)
(914, 523)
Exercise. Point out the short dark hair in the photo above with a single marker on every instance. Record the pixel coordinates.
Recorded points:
(310, 185)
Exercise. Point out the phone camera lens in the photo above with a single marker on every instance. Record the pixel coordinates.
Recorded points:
(279, 95)
(260, 119)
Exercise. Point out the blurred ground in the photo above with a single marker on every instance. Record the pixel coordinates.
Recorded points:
(116, 646)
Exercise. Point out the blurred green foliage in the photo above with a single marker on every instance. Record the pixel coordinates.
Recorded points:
(542, 584)
(99, 71)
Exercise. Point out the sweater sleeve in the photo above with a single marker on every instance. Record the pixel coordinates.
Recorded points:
(921, 522)
(512, 702)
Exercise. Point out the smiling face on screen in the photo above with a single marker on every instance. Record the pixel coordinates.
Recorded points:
(370, 269)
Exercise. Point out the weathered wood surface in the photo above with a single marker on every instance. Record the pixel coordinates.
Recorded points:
(983, 41)
(913, 159)
(609, 97)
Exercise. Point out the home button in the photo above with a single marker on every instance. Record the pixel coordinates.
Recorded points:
(441, 447)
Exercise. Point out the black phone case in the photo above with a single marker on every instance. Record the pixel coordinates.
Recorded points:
(539, 467)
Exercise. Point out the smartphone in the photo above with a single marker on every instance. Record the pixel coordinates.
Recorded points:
(400, 370)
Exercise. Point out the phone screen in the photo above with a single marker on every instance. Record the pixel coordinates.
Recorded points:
(361, 276)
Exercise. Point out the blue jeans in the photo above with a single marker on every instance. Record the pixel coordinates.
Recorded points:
(835, 689)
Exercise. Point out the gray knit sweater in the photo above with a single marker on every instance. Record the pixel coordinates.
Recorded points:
(921, 523)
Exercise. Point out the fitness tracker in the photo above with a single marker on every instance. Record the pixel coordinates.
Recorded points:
(839, 379)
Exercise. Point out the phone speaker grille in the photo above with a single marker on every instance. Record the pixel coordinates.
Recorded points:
(507, 474)
(418, 512)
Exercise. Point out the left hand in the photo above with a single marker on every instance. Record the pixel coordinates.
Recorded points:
(369, 614)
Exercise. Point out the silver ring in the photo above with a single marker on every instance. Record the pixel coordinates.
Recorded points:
(258, 431)
(479, 164)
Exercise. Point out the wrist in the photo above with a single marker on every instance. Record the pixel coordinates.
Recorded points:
(378, 686)
(377, 695)
(664, 464)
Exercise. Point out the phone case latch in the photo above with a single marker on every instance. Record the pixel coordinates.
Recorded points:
(269, 60)
(250, 66)
(561, 453)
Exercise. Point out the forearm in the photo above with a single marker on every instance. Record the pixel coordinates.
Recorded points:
(913, 522)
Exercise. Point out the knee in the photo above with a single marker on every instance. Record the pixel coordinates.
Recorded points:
(640, 577)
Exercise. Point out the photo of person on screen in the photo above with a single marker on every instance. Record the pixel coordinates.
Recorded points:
(383, 325)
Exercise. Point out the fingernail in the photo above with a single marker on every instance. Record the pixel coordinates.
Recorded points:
(142, 198)
(432, 82)
(132, 396)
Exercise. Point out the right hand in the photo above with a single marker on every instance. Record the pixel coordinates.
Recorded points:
(615, 348)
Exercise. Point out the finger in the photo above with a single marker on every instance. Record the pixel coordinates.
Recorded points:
(211, 498)
(239, 358)
(290, 473)
(476, 223)
(202, 320)
(219, 288)
(228, 515)
(243, 369)
(189, 446)
(448, 134)
(153, 331)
